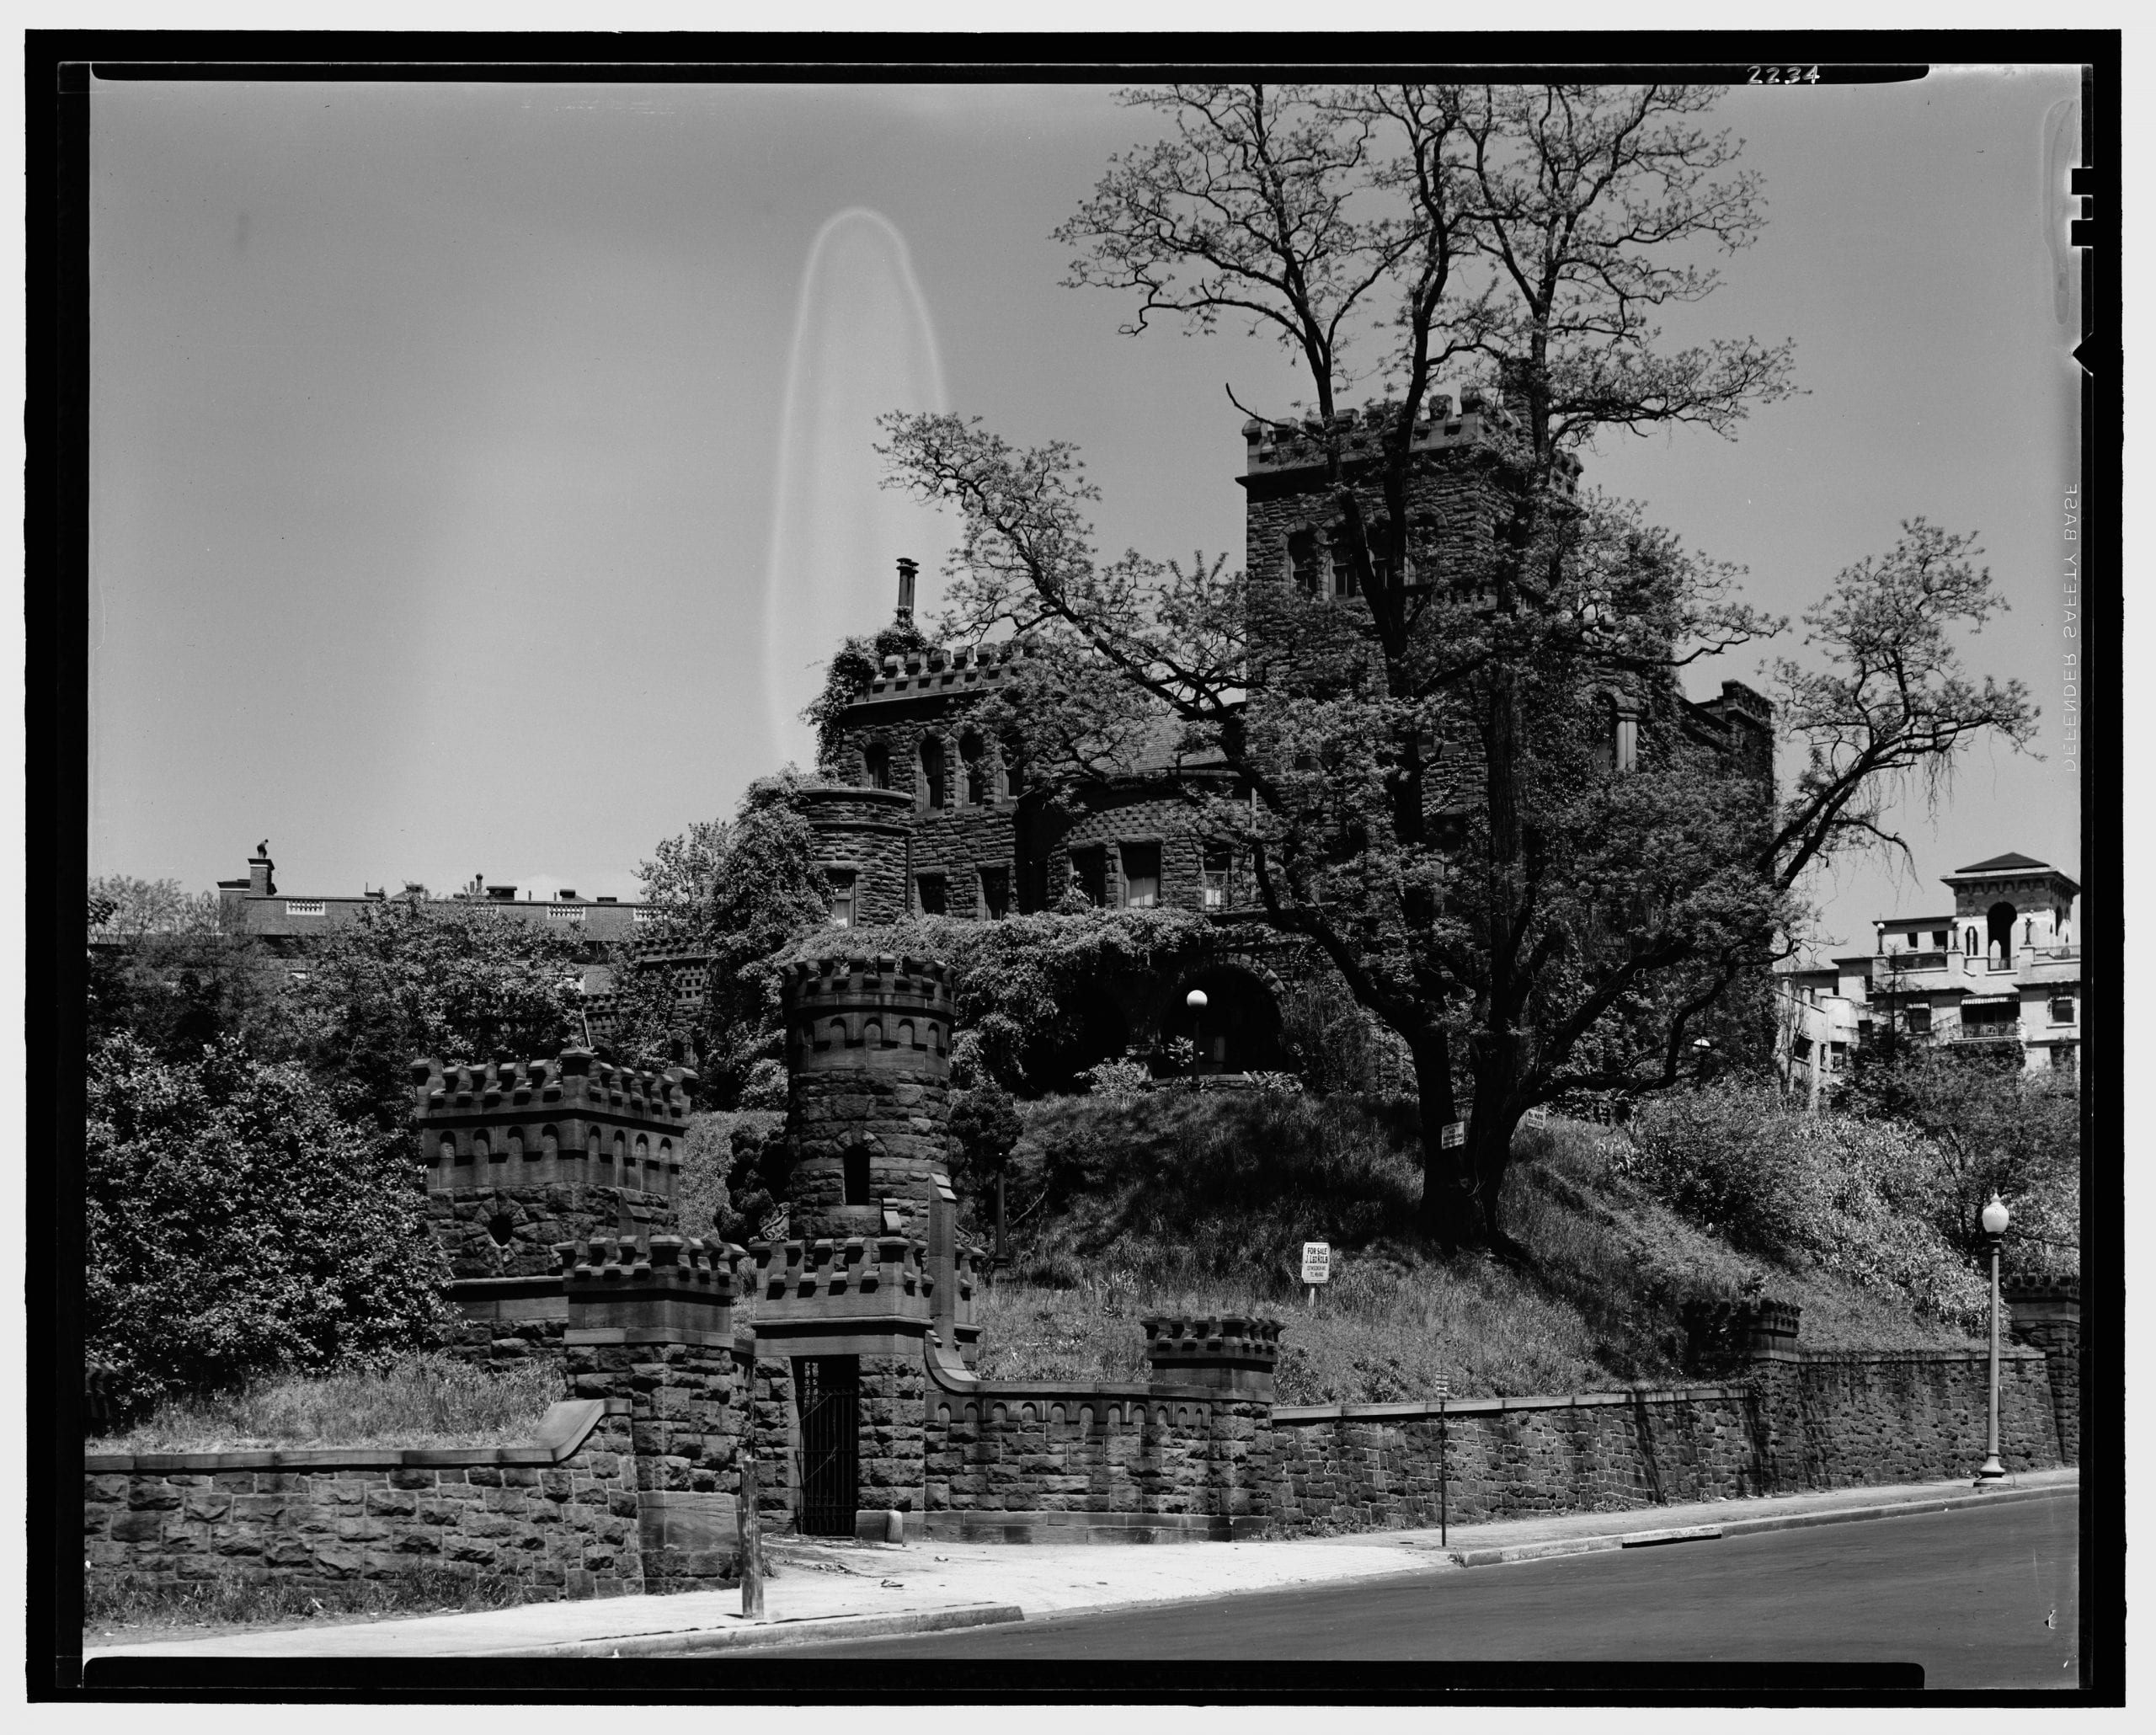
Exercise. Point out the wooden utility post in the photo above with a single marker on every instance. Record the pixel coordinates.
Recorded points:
(749, 1533)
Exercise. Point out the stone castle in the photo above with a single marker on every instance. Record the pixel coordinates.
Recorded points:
(919, 811)
(835, 1372)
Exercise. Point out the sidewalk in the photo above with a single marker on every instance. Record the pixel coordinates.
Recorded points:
(827, 1590)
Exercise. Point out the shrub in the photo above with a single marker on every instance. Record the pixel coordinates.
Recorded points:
(1118, 1080)
(1848, 1196)
(237, 1226)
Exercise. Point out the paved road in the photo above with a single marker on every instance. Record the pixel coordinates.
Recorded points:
(1965, 1594)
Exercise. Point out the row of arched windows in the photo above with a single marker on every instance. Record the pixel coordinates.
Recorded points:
(835, 1036)
(596, 1150)
(983, 776)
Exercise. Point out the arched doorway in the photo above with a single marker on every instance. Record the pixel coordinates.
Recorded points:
(1998, 923)
(1238, 1028)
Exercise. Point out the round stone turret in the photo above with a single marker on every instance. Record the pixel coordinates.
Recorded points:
(868, 1059)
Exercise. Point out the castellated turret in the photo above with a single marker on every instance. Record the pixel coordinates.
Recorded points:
(522, 1155)
(867, 1046)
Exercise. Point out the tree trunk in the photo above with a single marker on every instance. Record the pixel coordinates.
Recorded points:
(1447, 1213)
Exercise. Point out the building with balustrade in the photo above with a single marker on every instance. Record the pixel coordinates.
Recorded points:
(1999, 975)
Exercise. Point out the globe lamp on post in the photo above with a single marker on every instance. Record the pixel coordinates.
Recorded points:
(1994, 1221)
(1195, 1000)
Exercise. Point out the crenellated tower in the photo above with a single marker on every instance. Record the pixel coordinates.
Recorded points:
(523, 1155)
(868, 1047)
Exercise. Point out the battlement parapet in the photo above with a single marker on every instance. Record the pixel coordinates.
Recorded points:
(1228, 1351)
(1275, 448)
(2039, 1286)
(883, 1010)
(575, 1120)
(688, 1264)
(574, 1080)
(666, 1282)
(834, 1287)
(1741, 700)
(943, 669)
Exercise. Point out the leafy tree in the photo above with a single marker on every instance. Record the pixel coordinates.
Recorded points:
(678, 876)
(1419, 783)
(237, 1225)
(765, 890)
(457, 981)
(172, 969)
(848, 677)
(1998, 1130)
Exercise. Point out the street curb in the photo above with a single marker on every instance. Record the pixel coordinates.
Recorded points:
(1740, 1527)
(811, 1631)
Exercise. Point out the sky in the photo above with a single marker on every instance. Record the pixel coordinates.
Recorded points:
(480, 474)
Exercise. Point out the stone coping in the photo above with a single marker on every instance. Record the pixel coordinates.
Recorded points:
(562, 1430)
(948, 1375)
(1494, 1406)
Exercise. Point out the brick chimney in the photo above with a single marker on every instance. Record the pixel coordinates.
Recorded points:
(259, 868)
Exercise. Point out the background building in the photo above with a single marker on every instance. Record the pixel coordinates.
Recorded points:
(2000, 974)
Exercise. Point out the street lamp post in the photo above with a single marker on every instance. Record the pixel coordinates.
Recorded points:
(1195, 1000)
(1994, 1221)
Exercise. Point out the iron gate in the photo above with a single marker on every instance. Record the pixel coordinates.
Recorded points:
(828, 1388)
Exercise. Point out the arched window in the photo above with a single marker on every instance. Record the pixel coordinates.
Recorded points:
(448, 1148)
(872, 1033)
(855, 1165)
(480, 1150)
(550, 1143)
(972, 757)
(515, 1151)
(1014, 771)
(621, 1151)
(1998, 923)
(932, 769)
(1968, 942)
(594, 1151)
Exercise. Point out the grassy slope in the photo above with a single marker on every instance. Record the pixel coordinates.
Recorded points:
(425, 1401)
(1176, 1202)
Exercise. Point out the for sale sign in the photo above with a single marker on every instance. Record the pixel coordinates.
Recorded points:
(1317, 1261)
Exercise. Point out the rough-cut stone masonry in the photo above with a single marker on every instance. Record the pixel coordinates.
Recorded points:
(2046, 1314)
(1838, 1419)
(511, 1231)
(1824, 1420)
(560, 1514)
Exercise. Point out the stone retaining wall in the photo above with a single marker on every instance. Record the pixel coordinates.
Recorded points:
(560, 1514)
(1841, 1419)
(1811, 1420)
(1375, 1467)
